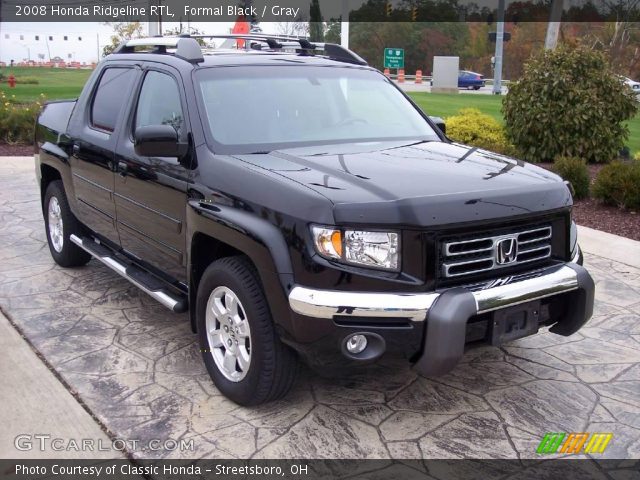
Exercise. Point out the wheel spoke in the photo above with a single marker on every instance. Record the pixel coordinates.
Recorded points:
(243, 358)
(229, 362)
(242, 329)
(215, 341)
(231, 304)
(218, 309)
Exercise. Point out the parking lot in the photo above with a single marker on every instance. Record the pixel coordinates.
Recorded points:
(137, 368)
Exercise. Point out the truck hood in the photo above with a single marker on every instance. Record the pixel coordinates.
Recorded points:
(421, 184)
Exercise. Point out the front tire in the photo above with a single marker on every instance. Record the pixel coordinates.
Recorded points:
(244, 357)
(60, 223)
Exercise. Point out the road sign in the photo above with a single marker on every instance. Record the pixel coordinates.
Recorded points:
(393, 58)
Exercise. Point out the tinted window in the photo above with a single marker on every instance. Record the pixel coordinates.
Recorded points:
(113, 90)
(159, 102)
(268, 108)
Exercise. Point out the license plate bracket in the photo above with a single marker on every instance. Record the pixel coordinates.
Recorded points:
(515, 322)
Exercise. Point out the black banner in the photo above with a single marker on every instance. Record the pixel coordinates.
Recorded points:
(312, 10)
(574, 469)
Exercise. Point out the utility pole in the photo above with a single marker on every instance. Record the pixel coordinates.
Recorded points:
(152, 24)
(553, 28)
(497, 72)
(344, 25)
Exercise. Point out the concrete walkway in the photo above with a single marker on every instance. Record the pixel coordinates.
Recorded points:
(35, 402)
(613, 247)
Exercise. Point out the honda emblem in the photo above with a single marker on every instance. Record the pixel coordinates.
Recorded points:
(506, 250)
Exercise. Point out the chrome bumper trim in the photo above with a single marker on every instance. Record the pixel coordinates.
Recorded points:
(415, 306)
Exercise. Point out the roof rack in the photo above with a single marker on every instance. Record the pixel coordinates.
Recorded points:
(188, 48)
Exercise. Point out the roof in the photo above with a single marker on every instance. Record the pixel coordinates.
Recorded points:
(260, 49)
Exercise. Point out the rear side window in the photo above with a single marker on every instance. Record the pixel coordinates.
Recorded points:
(113, 90)
(159, 102)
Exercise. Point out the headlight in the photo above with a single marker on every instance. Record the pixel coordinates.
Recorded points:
(358, 247)
(573, 237)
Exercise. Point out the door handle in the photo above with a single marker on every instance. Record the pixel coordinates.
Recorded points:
(75, 149)
(123, 169)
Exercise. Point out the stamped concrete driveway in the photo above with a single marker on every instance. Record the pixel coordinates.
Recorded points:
(137, 367)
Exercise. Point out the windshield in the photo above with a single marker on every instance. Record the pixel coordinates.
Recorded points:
(260, 109)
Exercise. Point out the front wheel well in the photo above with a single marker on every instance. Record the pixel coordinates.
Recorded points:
(48, 174)
(204, 251)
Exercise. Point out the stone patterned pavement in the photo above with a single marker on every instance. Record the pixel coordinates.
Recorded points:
(138, 369)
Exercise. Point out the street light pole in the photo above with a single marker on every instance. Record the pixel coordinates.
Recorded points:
(344, 25)
(497, 76)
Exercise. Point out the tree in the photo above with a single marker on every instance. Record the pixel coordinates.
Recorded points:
(190, 30)
(295, 29)
(316, 26)
(568, 103)
(122, 31)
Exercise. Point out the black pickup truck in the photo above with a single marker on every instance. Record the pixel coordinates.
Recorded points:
(298, 204)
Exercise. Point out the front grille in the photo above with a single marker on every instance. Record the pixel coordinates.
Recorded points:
(479, 254)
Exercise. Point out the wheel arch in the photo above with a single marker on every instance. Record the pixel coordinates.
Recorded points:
(216, 232)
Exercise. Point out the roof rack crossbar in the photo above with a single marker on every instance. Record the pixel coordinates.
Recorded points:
(188, 48)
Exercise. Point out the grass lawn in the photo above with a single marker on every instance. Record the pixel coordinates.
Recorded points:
(59, 83)
(55, 83)
(446, 104)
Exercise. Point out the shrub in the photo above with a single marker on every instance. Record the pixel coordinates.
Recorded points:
(17, 121)
(619, 184)
(472, 127)
(568, 103)
(575, 171)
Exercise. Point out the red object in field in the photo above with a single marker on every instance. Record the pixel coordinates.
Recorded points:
(401, 75)
(418, 76)
(241, 27)
(11, 81)
(386, 73)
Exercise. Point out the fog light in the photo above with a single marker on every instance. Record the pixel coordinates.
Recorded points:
(356, 343)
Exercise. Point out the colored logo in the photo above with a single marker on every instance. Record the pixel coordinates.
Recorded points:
(582, 442)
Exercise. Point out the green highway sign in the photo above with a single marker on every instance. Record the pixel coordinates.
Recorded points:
(393, 58)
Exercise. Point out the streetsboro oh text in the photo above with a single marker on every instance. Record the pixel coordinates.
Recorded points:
(167, 469)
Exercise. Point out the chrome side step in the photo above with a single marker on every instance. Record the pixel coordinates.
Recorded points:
(141, 279)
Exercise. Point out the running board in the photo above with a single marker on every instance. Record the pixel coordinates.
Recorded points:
(140, 278)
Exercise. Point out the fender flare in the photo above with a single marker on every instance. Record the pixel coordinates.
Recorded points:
(255, 237)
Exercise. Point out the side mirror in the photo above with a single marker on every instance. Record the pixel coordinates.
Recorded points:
(158, 141)
(439, 123)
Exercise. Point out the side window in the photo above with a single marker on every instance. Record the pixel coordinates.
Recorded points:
(110, 97)
(159, 102)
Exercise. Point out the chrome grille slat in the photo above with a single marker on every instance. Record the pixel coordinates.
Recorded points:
(464, 257)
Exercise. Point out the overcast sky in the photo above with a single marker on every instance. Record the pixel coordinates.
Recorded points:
(84, 39)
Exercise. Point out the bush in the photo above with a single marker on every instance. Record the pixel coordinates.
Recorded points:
(575, 171)
(619, 184)
(17, 121)
(27, 80)
(568, 103)
(472, 127)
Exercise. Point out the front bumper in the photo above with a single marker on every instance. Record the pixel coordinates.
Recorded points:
(447, 312)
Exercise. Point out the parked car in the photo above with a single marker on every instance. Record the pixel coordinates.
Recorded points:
(298, 204)
(635, 86)
(470, 80)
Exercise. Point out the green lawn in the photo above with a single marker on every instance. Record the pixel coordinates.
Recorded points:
(447, 104)
(58, 83)
(55, 83)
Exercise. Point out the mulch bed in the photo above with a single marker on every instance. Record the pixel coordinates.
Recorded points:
(15, 150)
(588, 212)
(591, 213)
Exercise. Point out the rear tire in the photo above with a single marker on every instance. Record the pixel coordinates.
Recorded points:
(244, 357)
(60, 223)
